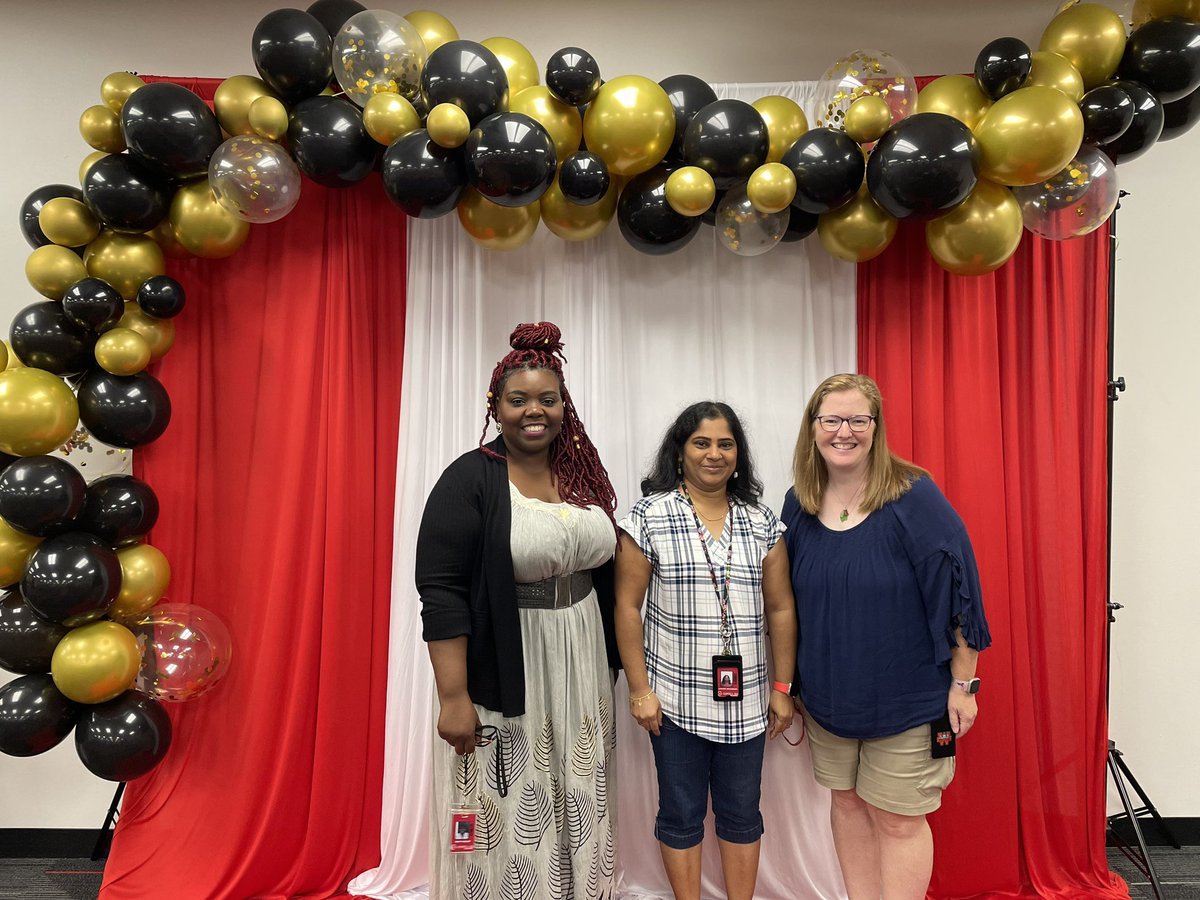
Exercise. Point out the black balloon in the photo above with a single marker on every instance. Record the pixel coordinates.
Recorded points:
(71, 578)
(829, 169)
(1164, 55)
(646, 219)
(1002, 66)
(161, 296)
(118, 509)
(171, 128)
(124, 738)
(573, 76)
(1107, 113)
(293, 53)
(41, 495)
(1145, 128)
(800, 225)
(43, 337)
(332, 14)
(924, 166)
(125, 193)
(423, 179)
(728, 139)
(688, 95)
(583, 178)
(94, 304)
(1180, 115)
(510, 159)
(330, 143)
(32, 207)
(27, 641)
(123, 410)
(468, 75)
(34, 716)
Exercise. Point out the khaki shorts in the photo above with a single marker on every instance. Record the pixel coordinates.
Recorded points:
(895, 774)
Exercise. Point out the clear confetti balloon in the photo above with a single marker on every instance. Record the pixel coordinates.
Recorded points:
(743, 229)
(254, 178)
(1076, 201)
(185, 651)
(378, 52)
(864, 73)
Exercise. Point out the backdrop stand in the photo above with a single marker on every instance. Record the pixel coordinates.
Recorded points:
(104, 838)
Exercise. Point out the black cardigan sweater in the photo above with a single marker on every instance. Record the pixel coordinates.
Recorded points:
(465, 578)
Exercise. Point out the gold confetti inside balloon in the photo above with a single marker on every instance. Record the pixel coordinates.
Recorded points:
(185, 651)
(573, 222)
(1073, 202)
(867, 119)
(388, 117)
(865, 73)
(145, 574)
(125, 260)
(96, 662)
(1089, 36)
(957, 96)
(434, 28)
(268, 118)
(561, 121)
(15, 549)
(980, 234)
(68, 222)
(204, 226)
(116, 88)
(38, 412)
(1054, 71)
(253, 178)
(785, 122)
(690, 191)
(629, 124)
(1028, 136)
(378, 52)
(771, 188)
(858, 230)
(448, 125)
(497, 227)
(101, 128)
(517, 62)
(122, 351)
(52, 269)
(233, 99)
(743, 229)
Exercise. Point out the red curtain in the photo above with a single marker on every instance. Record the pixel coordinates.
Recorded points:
(277, 479)
(997, 385)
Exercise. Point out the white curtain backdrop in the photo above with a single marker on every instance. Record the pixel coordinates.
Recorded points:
(644, 336)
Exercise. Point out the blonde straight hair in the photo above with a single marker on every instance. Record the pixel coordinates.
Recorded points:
(888, 476)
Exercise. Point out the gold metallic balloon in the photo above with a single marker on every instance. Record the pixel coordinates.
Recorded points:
(15, 549)
(233, 99)
(122, 351)
(1028, 135)
(858, 230)
(448, 125)
(124, 260)
(1054, 71)
(561, 120)
(159, 334)
(101, 128)
(3, 356)
(690, 191)
(785, 122)
(434, 28)
(204, 226)
(630, 124)
(68, 222)
(38, 412)
(1145, 10)
(957, 96)
(88, 162)
(573, 222)
(145, 574)
(517, 62)
(52, 269)
(164, 235)
(116, 88)
(867, 118)
(980, 234)
(268, 118)
(1091, 37)
(772, 186)
(388, 116)
(14, 361)
(497, 227)
(96, 662)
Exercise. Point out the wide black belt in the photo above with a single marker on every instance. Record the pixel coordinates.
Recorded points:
(557, 592)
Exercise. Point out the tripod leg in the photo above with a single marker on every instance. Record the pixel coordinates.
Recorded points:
(1149, 807)
(1114, 759)
(104, 838)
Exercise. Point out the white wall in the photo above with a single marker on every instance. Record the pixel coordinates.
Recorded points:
(57, 52)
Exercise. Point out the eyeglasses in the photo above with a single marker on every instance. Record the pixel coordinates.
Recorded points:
(857, 424)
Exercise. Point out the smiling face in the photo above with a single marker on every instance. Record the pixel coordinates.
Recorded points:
(709, 456)
(845, 452)
(530, 410)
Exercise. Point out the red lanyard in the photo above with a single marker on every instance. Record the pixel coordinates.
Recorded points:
(722, 591)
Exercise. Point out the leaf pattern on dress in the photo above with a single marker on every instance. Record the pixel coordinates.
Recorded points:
(560, 876)
(476, 887)
(583, 756)
(543, 750)
(593, 882)
(560, 804)
(466, 776)
(489, 827)
(520, 879)
(601, 790)
(533, 815)
(608, 857)
(514, 744)
(581, 814)
(608, 732)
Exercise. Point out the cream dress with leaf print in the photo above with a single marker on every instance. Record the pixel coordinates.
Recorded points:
(553, 835)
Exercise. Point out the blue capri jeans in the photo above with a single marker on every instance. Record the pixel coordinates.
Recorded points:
(688, 768)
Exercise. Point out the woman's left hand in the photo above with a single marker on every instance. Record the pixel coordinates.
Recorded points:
(963, 710)
(779, 713)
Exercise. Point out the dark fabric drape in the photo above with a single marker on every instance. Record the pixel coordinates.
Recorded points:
(997, 384)
(277, 481)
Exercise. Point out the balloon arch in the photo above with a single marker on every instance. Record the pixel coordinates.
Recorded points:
(1029, 143)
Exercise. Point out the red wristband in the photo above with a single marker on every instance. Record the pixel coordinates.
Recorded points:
(782, 686)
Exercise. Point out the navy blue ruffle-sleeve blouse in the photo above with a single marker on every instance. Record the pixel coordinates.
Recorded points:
(877, 607)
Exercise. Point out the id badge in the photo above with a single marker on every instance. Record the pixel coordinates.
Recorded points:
(727, 678)
(462, 830)
(941, 738)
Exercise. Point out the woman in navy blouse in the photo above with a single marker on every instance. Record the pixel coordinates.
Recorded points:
(890, 626)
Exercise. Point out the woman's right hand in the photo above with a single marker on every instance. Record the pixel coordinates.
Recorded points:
(458, 722)
(648, 712)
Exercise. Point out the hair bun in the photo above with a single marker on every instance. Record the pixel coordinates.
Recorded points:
(543, 336)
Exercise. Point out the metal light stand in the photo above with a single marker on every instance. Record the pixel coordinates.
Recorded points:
(104, 838)
(1116, 763)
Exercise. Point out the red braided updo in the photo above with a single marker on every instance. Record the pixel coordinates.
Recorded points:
(574, 463)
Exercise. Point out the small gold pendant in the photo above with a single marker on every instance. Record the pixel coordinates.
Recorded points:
(845, 514)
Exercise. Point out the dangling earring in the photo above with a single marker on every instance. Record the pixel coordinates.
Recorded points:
(735, 474)
(497, 428)
(678, 467)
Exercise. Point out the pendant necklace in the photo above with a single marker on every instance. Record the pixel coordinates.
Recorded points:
(845, 513)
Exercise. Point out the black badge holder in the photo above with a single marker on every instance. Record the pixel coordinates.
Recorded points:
(942, 740)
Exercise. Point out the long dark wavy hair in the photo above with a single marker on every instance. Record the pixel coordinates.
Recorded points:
(664, 475)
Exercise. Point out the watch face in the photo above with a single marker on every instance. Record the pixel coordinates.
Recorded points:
(973, 686)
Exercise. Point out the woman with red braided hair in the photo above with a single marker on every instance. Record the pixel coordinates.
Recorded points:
(514, 570)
